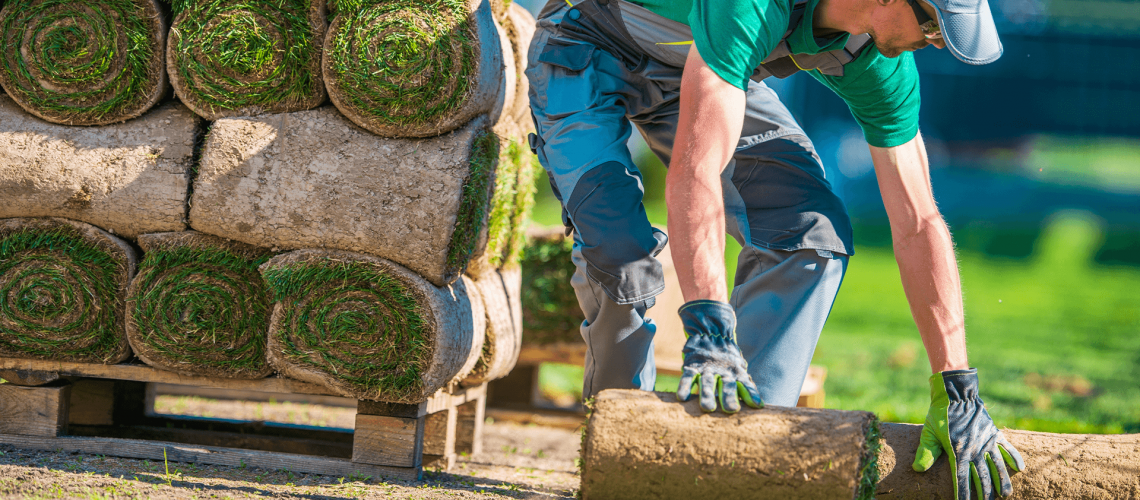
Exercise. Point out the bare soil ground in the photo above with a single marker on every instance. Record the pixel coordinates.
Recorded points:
(518, 462)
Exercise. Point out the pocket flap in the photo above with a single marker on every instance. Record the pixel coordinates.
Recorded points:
(570, 55)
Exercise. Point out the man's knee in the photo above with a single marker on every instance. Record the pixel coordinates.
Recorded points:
(618, 243)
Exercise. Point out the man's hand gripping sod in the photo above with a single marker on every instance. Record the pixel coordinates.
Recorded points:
(958, 424)
(712, 359)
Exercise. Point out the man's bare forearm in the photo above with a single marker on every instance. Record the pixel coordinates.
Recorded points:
(711, 116)
(924, 251)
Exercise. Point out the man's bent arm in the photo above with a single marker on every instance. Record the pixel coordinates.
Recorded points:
(924, 251)
(708, 129)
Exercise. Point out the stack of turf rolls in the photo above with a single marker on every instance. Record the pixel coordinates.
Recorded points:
(371, 245)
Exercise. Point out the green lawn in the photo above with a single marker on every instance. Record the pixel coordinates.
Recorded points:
(1056, 338)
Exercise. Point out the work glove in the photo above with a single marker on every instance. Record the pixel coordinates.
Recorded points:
(958, 424)
(712, 358)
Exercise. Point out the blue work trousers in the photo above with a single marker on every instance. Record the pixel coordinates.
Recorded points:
(778, 204)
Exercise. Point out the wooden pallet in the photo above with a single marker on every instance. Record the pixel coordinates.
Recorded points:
(108, 410)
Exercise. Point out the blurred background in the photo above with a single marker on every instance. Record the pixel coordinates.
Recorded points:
(1036, 168)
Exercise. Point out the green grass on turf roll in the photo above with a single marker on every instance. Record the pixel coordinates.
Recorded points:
(199, 307)
(412, 68)
(62, 285)
(83, 62)
(368, 328)
(247, 57)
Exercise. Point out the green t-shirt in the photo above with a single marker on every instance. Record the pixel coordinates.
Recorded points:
(734, 36)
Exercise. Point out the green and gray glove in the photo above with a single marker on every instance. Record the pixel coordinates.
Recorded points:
(713, 360)
(958, 424)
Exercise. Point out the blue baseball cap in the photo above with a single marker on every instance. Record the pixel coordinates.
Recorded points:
(968, 29)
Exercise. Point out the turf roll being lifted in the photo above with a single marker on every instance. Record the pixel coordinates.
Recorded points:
(128, 178)
(92, 62)
(198, 306)
(312, 179)
(414, 68)
(368, 328)
(247, 57)
(646, 445)
(1057, 466)
(62, 285)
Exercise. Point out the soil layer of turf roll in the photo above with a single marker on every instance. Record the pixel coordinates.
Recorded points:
(91, 62)
(62, 286)
(504, 335)
(642, 444)
(128, 178)
(368, 328)
(198, 306)
(414, 68)
(247, 57)
(312, 179)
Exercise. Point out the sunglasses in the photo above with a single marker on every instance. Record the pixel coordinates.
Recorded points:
(930, 28)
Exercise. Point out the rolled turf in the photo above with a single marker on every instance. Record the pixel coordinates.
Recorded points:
(127, 178)
(312, 179)
(198, 306)
(75, 62)
(512, 200)
(414, 68)
(247, 57)
(62, 286)
(520, 26)
(368, 328)
(504, 334)
(642, 444)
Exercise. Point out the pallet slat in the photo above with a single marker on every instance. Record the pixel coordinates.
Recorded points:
(33, 411)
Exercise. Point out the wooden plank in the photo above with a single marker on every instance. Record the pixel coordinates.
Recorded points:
(33, 411)
(233, 457)
(391, 409)
(391, 441)
(142, 373)
(469, 426)
(251, 395)
(30, 378)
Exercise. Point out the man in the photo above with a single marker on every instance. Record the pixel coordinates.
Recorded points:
(689, 74)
